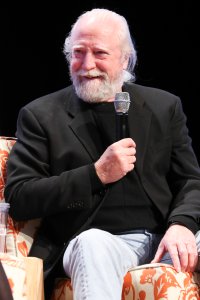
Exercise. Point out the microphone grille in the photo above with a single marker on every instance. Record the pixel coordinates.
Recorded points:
(122, 102)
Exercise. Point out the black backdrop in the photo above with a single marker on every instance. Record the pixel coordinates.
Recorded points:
(166, 35)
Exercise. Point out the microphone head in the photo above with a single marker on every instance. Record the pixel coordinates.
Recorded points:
(122, 102)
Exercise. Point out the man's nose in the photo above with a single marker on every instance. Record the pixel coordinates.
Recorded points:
(89, 61)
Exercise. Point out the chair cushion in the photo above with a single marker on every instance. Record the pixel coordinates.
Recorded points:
(160, 281)
(150, 281)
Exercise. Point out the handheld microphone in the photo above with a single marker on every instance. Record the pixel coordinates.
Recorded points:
(122, 104)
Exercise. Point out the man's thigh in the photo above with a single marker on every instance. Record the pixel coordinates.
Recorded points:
(143, 244)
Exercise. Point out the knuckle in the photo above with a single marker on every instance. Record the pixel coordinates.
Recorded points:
(182, 251)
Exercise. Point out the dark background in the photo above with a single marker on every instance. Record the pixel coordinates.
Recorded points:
(166, 34)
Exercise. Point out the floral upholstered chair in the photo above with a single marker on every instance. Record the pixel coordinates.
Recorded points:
(146, 282)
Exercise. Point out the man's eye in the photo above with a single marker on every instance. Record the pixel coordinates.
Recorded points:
(77, 52)
(100, 52)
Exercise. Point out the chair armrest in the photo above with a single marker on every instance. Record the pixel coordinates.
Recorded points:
(34, 278)
(25, 276)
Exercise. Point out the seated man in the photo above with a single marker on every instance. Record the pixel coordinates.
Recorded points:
(104, 212)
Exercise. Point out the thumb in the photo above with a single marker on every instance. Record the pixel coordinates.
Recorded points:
(159, 254)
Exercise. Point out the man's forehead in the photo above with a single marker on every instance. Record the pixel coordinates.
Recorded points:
(91, 27)
(94, 39)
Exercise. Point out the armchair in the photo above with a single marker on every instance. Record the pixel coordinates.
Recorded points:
(151, 281)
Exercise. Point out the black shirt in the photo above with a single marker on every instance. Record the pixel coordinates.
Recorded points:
(127, 206)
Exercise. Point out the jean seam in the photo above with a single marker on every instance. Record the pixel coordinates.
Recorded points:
(83, 273)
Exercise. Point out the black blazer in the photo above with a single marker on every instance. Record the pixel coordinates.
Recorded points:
(51, 165)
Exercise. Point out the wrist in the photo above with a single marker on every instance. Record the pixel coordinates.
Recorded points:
(175, 223)
(100, 173)
(186, 221)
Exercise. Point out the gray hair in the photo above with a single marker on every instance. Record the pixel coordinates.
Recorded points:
(123, 34)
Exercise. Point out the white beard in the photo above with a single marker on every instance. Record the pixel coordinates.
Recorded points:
(98, 89)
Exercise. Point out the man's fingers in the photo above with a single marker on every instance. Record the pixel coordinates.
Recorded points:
(183, 256)
(128, 142)
(131, 159)
(174, 254)
(159, 254)
(130, 151)
(188, 257)
(180, 243)
(192, 257)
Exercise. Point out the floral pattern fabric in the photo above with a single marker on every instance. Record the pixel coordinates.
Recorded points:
(20, 235)
(160, 281)
(147, 282)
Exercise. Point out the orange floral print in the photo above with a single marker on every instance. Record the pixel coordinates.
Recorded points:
(2, 185)
(15, 227)
(68, 284)
(10, 226)
(128, 286)
(142, 295)
(11, 283)
(191, 293)
(166, 280)
(3, 160)
(147, 276)
(60, 286)
(162, 284)
(23, 248)
(191, 290)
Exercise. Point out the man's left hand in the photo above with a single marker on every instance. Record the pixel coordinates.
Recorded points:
(180, 242)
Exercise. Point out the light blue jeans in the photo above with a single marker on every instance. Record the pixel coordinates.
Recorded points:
(97, 261)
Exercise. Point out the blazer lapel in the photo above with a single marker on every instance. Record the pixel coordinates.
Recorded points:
(83, 124)
(139, 124)
(86, 131)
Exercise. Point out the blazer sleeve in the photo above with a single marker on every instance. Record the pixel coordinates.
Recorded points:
(184, 176)
(32, 190)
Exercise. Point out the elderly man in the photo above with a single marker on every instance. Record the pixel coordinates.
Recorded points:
(104, 207)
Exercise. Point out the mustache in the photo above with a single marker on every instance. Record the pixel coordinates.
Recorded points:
(92, 73)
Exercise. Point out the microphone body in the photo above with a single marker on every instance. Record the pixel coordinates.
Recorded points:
(122, 129)
(122, 103)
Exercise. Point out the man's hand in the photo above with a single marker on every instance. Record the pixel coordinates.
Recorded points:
(180, 242)
(117, 160)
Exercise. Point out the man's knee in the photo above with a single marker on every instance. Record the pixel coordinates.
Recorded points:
(93, 234)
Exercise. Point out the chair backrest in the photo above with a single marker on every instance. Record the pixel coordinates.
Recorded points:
(20, 235)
